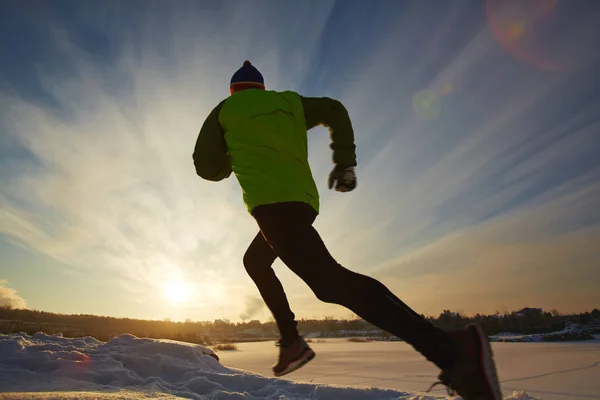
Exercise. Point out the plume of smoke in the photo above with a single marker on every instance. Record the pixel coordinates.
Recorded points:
(9, 297)
(253, 306)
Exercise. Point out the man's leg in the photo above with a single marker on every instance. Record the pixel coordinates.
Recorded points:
(288, 229)
(258, 262)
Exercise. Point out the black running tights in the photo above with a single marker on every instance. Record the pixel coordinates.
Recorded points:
(286, 232)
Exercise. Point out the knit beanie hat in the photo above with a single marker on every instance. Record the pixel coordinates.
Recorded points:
(245, 78)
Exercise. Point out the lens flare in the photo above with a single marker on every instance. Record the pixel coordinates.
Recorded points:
(547, 34)
(446, 90)
(426, 104)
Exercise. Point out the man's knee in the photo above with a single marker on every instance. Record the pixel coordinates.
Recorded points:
(249, 262)
(255, 263)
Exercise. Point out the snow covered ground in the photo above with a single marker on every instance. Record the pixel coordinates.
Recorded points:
(548, 371)
(572, 332)
(53, 367)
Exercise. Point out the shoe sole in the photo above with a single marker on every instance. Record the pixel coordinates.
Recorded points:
(307, 356)
(486, 361)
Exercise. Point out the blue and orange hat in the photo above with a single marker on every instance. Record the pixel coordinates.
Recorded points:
(245, 78)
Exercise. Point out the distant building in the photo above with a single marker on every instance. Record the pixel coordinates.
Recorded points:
(528, 311)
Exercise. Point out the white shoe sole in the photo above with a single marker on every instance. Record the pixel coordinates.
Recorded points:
(308, 355)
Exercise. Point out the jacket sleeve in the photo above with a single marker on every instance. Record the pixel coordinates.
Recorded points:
(331, 113)
(211, 158)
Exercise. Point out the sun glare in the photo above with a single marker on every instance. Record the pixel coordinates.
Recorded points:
(176, 292)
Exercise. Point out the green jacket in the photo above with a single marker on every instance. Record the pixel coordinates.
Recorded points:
(261, 136)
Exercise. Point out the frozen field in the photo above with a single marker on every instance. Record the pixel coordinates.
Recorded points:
(550, 371)
(53, 367)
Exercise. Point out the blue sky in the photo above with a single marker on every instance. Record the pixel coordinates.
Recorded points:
(476, 127)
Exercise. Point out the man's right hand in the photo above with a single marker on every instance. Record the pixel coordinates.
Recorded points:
(343, 177)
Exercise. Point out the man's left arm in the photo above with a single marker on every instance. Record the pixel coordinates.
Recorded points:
(211, 158)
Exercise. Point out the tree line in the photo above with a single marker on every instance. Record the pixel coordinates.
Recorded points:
(103, 328)
(526, 321)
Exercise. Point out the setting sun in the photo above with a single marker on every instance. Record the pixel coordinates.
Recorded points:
(176, 292)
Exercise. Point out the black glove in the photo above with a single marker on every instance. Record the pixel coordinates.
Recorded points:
(344, 178)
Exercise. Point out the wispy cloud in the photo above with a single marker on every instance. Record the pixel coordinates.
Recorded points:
(532, 255)
(98, 172)
(508, 141)
(106, 182)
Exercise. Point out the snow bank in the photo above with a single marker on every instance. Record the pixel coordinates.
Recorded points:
(53, 367)
(120, 395)
(520, 396)
(573, 332)
(131, 367)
